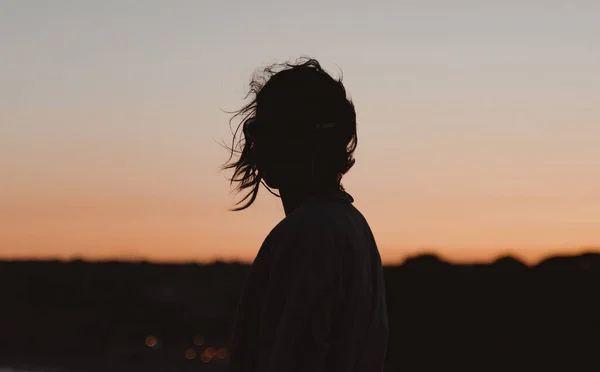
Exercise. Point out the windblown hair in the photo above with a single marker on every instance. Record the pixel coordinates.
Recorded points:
(308, 88)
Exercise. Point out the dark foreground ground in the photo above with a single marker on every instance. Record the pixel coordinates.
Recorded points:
(114, 316)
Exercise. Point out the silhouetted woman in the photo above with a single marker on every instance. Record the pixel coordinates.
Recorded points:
(314, 299)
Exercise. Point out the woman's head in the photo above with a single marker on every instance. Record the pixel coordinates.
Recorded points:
(297, 132)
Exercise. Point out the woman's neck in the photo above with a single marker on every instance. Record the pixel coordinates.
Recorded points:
(292, 199)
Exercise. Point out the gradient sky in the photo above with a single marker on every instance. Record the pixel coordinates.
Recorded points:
(479, 123)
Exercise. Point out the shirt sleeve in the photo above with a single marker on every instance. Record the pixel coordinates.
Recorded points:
(309, 273)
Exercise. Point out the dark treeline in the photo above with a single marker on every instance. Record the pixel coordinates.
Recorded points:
(118, 316)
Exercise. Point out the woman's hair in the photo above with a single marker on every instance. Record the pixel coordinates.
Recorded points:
(300, 94)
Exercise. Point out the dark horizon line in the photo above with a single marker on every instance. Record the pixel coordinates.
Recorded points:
(589, 251)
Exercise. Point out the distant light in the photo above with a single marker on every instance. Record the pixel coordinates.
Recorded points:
(151, 341)
(221, 353)
(199, 340)
(205, 358)
(190, 354)
(211, 352)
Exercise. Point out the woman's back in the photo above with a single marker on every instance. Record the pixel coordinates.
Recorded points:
(316, 290)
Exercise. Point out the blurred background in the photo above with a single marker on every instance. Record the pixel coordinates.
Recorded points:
(476, 168)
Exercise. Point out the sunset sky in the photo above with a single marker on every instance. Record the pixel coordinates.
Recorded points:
(478, 123)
